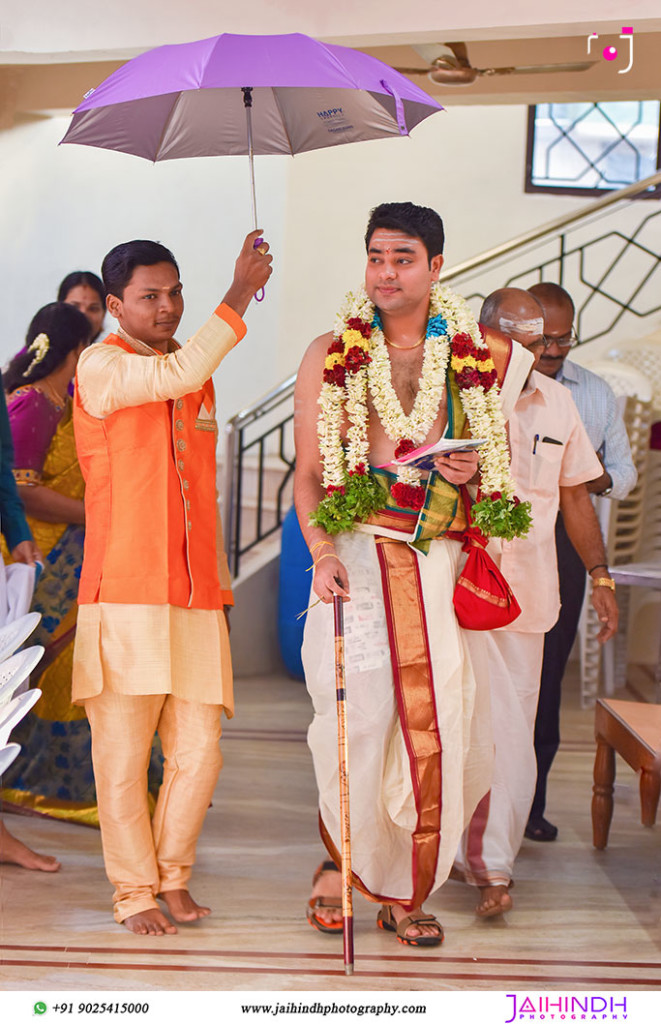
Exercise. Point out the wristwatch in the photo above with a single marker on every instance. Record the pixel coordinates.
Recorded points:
(606, 492)
(603, 581)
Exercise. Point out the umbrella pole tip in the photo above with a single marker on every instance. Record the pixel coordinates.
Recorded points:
(348, 969)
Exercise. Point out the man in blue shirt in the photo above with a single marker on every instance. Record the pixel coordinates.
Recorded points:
(598, 410)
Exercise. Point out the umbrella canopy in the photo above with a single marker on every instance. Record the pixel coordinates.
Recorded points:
(187, 100)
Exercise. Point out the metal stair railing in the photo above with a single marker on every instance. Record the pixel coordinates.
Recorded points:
(591, 270)
(274, 440)
(609, 274)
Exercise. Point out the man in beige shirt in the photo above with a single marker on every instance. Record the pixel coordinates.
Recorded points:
(552, 459)
(152, 650)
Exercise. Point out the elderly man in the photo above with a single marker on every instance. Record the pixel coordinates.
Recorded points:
(552, 460)
(597, 407)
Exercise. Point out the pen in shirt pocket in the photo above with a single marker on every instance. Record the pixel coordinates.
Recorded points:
(544, 440)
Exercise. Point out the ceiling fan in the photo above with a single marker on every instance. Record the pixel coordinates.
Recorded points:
(451, 65)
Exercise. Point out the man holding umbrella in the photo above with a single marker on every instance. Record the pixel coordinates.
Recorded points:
(152, 648)
(406, 365)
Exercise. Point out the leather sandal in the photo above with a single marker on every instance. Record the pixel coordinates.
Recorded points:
(316, 903)
(386, 921)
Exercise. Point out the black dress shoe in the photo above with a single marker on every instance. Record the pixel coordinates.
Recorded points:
(541, 830)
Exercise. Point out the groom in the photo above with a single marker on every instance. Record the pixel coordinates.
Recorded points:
(419, 737)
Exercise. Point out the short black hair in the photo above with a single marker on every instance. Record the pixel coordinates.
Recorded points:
(418, 221)
(547, 291)
(81, 277)
(65, 327)
(118, 266)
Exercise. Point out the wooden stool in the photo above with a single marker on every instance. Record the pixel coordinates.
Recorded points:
(634, 732)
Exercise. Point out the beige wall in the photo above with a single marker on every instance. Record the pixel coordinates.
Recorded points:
(62, 208)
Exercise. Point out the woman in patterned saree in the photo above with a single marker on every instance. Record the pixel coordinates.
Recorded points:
(53, 773)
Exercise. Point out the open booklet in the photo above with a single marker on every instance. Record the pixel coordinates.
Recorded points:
(423, 457)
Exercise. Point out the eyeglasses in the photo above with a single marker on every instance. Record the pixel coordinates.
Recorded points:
(564, 341)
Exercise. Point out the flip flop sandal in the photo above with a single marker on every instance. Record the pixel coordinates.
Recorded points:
(324, 903)
(386, 921)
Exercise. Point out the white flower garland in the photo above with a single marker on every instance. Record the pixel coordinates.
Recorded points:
(347, 392)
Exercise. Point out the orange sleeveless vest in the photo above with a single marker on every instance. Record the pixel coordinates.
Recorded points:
(150, 501)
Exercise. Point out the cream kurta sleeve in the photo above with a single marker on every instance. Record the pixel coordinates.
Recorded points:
(139, 648)
(110, 379)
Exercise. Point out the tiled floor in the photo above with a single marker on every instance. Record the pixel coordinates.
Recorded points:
(582, 919)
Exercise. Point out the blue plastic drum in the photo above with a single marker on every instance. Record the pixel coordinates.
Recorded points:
(293, 593)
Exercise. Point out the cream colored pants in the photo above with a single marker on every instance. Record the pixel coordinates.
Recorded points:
(144, 857)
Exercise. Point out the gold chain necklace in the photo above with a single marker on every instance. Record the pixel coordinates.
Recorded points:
(54, 396)
(405, 348)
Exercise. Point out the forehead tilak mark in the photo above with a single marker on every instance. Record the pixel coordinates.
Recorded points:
(521, 325)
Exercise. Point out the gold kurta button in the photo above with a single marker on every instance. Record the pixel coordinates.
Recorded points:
(190, 525)
(179, 424)
(187, 503)
(180, 403)
(186, 484)
(181, 445)
(181, 463)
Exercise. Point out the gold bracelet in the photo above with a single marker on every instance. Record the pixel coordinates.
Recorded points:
(321, 558)
(319, 544)
(604, 581)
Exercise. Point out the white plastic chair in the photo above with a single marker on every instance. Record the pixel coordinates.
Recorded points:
(622, 527)
(15, 669)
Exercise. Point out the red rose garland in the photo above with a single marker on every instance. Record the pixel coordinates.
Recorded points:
(352, 492)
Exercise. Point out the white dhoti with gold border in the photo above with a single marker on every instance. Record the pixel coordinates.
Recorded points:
(493, 839)
(420, 743)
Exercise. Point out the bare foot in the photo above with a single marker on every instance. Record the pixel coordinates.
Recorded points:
(13, 851)
(325, 903)
(150, 922)
(495, 901)
(416, 931)
(182, 906)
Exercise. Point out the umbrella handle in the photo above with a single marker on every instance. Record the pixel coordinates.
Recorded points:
(259, 296)
(247, 102)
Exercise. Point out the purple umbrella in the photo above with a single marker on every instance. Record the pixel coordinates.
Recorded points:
(237, 95)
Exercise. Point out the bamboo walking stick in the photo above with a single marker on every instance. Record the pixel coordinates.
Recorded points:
(343, 761)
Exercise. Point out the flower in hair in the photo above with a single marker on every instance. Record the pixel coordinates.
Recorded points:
(40, 347)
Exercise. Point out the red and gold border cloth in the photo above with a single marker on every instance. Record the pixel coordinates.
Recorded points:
(416, 704)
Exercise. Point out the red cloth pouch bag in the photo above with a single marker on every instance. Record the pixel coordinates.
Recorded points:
(483, 599)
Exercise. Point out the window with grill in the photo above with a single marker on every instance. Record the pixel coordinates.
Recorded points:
(591, 148)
